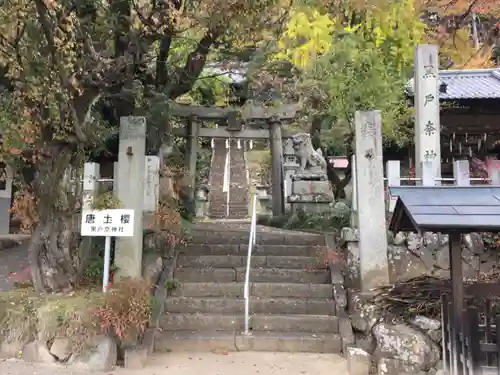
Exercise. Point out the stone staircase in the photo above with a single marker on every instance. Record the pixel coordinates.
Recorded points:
(238, 205)
(291, 304)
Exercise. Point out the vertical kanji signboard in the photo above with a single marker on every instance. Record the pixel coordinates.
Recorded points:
(427, 125)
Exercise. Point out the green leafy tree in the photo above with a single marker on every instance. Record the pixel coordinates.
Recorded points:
(349, 57)
(352, 76)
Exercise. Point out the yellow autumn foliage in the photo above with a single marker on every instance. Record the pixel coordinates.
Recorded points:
(390, 24)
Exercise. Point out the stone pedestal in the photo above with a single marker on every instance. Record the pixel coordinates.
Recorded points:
(311, 193)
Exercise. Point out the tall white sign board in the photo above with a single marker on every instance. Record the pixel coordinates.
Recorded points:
(107, 223)
(427, 125)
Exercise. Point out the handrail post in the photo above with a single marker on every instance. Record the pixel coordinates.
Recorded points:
(251, 241)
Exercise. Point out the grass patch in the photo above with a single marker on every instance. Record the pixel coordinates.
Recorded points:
(80, 316)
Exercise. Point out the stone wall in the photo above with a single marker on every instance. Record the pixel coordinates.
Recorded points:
(411, 255)
(399, 348)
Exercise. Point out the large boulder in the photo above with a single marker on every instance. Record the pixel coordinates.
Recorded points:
(431, 327)
(102, 357)
(406, 344)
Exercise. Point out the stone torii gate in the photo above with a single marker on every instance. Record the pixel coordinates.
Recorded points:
(250, 122)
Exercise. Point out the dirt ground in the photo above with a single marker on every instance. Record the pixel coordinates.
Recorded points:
(241, 363)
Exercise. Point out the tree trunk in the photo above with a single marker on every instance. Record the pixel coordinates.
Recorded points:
(53, 255)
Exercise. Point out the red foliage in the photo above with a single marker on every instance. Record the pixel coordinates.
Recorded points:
(126, 310)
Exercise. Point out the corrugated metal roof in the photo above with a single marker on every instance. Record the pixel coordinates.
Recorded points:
(468, 84)
(444, 209)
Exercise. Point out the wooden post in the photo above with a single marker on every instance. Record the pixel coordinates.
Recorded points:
(393, 172)
(374, 266)
(91, 173)
(151, 183)
(6, 200)
(276, 167)
(193, 128)
(461, 172)
(354, 198)
(457, 301)
(130, 191)
(427, 125)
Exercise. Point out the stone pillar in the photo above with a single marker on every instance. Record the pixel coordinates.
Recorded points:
(461, 172)
(91, 173)
(130, 191)
(277, 168)
(350, 240)
(289, 169)
(6, 200)
(262, 200)
(427, 125)
(202, 201)
(494, 176)
(151, 183)
(192, 150)
(371, 206)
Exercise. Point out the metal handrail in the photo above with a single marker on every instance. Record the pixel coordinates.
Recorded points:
(251, 243)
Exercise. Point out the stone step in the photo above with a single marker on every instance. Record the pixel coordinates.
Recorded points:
(256, 275)
(241, 205)
(231, 261)
(258, 322)
(256, 341)
(224, 306)
(257, 290)
(232, 215)
(262, 238)
(257, 250)
(223, 210)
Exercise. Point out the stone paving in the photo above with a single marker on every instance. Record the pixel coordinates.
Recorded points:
(241, 363)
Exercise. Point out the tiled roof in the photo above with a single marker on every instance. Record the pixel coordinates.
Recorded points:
(468, 84)
(460, 84)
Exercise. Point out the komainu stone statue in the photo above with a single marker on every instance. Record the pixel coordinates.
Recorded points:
(311, 190)
(311, 160)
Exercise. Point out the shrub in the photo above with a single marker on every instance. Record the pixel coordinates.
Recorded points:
(94, 272)
(126, 310)
(123, 312)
